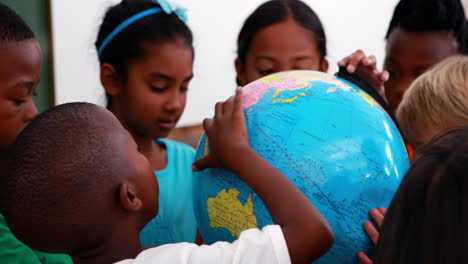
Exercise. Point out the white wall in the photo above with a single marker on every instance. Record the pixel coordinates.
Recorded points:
(465, 5)
(349, 25)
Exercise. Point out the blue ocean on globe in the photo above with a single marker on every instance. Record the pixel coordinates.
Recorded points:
(330, 138)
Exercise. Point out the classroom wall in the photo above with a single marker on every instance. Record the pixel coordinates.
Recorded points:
(349, 25)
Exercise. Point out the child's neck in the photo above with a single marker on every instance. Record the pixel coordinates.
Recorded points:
(3, 155)
(122, 245)
(154, 152)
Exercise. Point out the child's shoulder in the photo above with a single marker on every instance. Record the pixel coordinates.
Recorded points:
(176, 144)
(14, 251)
(177, 148)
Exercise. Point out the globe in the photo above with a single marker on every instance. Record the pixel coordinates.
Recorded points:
(330, 138)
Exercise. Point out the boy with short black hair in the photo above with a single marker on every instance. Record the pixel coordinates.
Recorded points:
(100, 192)
(421, 33)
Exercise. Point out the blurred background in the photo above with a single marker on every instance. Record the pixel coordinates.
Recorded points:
(67, 31)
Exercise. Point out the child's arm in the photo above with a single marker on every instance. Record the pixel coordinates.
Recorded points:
(306, 232)
(366, 68)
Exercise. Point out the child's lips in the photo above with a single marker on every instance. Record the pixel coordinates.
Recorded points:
(167, 124)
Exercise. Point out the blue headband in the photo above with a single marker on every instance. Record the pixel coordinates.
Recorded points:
(165, 7)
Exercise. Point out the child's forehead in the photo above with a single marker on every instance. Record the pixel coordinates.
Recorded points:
(420, 48)
(29, 45)
(20, 66)
(275, 41)
(20, 55)
(428, 42)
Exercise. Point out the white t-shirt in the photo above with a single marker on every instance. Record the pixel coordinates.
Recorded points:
(253, 246)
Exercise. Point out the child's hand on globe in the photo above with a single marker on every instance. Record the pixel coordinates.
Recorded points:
(366, 68)
(378, 216)
(227, 134)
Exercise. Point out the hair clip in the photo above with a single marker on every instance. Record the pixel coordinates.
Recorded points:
(169, 8)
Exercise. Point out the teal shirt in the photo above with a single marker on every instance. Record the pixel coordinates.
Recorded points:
(176, 218)
(13, 251)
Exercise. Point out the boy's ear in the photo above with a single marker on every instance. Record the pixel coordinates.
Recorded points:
(240, 72)
(110, 79)
(324, 65)
(129, 198)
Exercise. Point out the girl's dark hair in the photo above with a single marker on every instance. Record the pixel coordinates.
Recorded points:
(426, 221)
(431, 16)
(277, 11)
(130, 44)
(12, 26)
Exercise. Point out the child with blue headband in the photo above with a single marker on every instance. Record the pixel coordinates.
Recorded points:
(146, 56)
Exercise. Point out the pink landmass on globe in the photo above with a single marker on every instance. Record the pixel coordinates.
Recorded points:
(255, 91)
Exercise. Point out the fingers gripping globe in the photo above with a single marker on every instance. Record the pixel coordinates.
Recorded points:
(330, 138)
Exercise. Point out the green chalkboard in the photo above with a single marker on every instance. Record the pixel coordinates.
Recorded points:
(37, 14)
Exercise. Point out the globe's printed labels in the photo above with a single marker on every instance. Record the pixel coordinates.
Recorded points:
(286, 82)
(279, 81)
(331, 139)
(225, 210)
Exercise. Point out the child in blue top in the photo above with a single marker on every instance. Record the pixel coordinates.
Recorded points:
(175, 222)
(146, 56)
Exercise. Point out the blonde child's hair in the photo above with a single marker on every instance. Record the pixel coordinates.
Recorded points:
(436, 100)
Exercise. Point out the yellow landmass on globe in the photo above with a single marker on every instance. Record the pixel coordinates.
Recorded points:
(272, 78)
(303, 80)
(290, 100)
(287, 101)
(368, 99)
(225, 210)
(277, 92)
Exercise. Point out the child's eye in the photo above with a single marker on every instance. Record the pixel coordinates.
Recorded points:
(18, 101)
(266, 72)
(157, 89)
(183, 89)
(301, 68)
(392, 75)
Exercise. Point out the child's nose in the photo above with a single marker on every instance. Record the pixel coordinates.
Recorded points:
(174, 102)
(30, 112)
(284, 67)
(397, 91)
